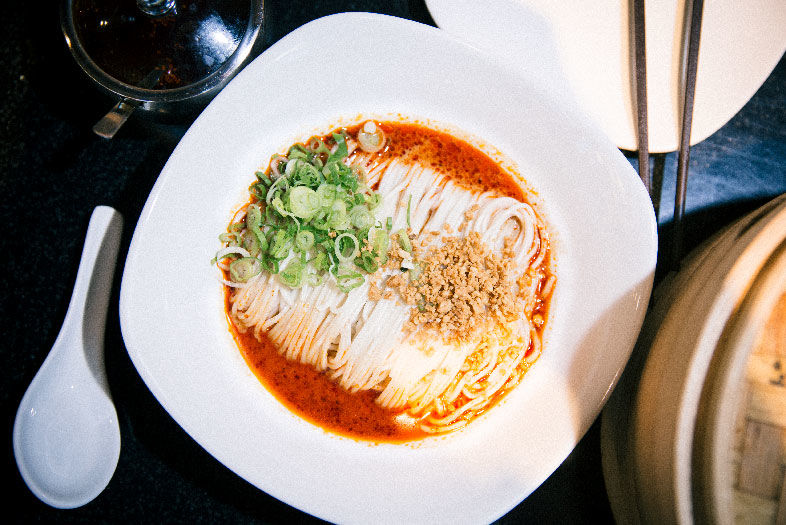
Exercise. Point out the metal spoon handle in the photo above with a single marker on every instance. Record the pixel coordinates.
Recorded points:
(111, 123)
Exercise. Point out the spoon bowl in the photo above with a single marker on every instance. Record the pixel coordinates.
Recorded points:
(66, 435)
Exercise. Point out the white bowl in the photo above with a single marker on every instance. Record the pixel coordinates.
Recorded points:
(331, 71)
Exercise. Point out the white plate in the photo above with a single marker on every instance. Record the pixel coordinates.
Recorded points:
(588, 45)
(324, 73)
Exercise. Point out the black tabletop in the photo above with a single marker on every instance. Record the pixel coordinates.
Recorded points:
(54, 171)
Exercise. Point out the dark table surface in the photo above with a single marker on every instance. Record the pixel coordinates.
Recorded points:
(54, 171)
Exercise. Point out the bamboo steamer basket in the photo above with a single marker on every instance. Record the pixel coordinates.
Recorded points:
(740, 442)
(651, 420)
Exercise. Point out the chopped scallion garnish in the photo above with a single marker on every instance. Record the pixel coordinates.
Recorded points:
(403, 241)
(346, 247)
(304, 240)
(313, 204)
(292, 275)
(241, 270)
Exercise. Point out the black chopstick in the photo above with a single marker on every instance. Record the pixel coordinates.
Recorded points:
(683, 157)
(640, 60)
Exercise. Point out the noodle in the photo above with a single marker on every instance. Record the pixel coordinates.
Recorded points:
(442, 379)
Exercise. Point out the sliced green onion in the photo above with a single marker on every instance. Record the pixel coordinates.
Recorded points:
(281, 185)
(367, 262)
(348, 179)
(250, 242)
(321, 262)
(333, 263)
(230, 251)
(373, 200)
(321, 221)
(253, 217)
(303, 202)
(258, 190)
(380, 243)
(415, 272)
(409, 205)
(314, 279)
(230, 239)
(348, 280)
(341, 251)
(318, 146)
(341, 149)
(403, 240)
(292, 275)
(339, 218)
(272, 218)
(261, 239)
(327, 193)
(328, 244)
(297, 151)
(371, 138)
(360, 217)
(244, 269)
(276, 163)
(304, 240)
(269, 264)
(278, 205)
(340, 174)
(281, 245)
(305, 174)
(362, 175)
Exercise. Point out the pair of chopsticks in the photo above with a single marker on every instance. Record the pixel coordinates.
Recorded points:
(695, 8)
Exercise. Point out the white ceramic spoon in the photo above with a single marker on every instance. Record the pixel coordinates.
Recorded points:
(66, 435)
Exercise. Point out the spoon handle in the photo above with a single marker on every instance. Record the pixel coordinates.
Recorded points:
(87, 309)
